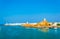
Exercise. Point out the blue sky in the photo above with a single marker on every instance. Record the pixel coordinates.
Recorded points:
(29, 10)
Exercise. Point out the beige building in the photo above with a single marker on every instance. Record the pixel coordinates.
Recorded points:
(44, 23)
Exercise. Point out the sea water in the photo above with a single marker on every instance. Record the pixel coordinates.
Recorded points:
(19, 32)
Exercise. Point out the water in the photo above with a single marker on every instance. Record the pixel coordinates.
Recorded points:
(19, 32)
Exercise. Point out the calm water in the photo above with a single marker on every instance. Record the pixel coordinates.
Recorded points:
(18, 32)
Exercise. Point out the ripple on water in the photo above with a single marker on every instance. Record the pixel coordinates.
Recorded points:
(30, 33)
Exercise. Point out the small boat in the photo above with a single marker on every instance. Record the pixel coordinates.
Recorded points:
(55, 27)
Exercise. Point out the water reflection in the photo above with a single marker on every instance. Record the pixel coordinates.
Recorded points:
(44, 29)
(18, 32)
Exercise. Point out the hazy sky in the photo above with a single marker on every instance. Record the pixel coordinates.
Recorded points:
(29, 10)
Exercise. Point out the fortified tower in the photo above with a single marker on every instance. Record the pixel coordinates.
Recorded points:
(43, 23)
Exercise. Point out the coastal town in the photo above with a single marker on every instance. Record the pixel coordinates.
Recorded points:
(42, 24)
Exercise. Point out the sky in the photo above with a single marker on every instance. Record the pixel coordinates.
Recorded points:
(12, 11)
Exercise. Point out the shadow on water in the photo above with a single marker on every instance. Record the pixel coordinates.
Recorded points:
(18, 32)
